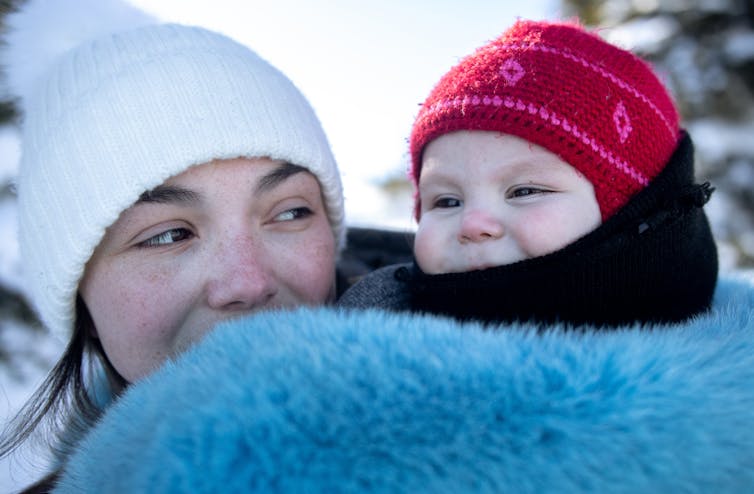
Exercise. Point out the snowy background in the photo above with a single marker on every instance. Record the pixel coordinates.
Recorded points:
(367, 65)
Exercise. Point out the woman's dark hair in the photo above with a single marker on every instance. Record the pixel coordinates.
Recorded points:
(64, 405)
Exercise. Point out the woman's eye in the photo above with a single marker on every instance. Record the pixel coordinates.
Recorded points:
(447, 202)
(294, 214)
(166, 238)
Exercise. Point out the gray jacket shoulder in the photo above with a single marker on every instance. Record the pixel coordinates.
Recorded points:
(379, 289)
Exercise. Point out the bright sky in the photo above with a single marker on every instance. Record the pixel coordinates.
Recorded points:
(365, 66)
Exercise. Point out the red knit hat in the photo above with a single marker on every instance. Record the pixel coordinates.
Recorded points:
(598, 107)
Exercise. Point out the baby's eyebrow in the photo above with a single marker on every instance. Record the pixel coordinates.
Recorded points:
(169, 194)
(277, 176)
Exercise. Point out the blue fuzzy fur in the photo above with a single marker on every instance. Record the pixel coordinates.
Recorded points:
(317, 400)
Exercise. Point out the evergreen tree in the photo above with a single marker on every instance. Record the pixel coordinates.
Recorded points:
(14, 310)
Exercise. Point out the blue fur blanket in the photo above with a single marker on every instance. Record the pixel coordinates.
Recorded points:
(326, 401)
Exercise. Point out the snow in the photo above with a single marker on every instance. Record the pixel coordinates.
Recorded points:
(364, 197)
(644, 35)
(746, 242)
(716, 139)
(32, 354)
(10, 272)
(739, 47)
(10, 153)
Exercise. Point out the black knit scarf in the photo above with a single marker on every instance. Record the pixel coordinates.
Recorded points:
(653, 261)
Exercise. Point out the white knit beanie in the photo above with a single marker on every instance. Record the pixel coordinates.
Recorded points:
(117, 115)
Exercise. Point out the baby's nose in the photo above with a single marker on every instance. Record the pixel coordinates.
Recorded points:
(479, 226)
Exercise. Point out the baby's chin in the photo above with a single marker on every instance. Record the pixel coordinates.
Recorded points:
(470, 266)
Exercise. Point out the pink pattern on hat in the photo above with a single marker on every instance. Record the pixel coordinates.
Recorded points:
(596, 68)
(552, 118)
(512, 72)
(598, 107)
(622, 122)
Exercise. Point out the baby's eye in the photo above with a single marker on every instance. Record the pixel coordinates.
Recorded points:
(294, 214)
(447, 202)
(526, 191)
(167, 237)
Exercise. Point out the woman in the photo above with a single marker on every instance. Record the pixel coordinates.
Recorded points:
(170, 179)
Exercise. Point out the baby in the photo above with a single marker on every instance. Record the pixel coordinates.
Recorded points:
(554, 184)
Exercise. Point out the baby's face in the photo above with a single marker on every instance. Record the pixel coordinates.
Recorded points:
(489, 199)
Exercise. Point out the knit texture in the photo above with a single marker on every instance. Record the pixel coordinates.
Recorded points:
(120, 114)
(598, 107)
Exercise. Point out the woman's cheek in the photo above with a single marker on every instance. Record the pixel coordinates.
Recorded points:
(300, 257)
(310, 266)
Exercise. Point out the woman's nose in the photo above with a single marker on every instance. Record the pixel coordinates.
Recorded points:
(480, 226)
(242, 278)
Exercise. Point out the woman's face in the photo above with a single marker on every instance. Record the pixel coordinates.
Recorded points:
(220, 240)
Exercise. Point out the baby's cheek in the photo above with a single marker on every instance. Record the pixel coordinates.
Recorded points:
(547, 233)
(428, 250)
(541, 235)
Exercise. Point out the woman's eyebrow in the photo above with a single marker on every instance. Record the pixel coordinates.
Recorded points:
(169, 194)
(277, 176)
